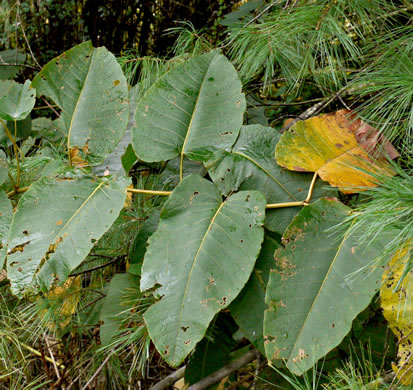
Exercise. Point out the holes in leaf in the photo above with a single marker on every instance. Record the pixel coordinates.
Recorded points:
(184, 328)
(25, 232)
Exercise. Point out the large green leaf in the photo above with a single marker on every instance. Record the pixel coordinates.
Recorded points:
(120, 299)
(7, 58)
(55, 226)
(16, 100)
(4, 167)
(91, 90)
(138, 248)
(113, 163)
(200, 257)
(248, 308)
(169, 178)
(6, 215)
(191, 109)
(314, 292)
(250, 165)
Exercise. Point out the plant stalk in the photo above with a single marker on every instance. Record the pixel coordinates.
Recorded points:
(149, 192)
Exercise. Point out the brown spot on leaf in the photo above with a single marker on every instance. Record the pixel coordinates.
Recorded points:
(338, 145)
(301, 356)
(116, 83)
(299, 169)
(285, 267)
(18, 248)
(186, 342)
(59, 222)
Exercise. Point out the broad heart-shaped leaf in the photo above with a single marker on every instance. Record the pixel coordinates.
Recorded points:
(8, 57)
(55, 226)
(16, 100)
(313, 294)
(396, 300)
(327, 144)
(6, 215)
(200, 257)
(89, 87)
(248, 308)
(250, 165)
(191, 109)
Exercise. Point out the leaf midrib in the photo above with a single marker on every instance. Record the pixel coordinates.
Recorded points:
(317, 296)
(69, 133)
(194, 112)
(193, 266)
(68, 222)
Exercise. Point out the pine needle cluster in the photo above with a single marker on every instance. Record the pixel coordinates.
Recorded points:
(387, 214)
(388, 85)
(320, 40)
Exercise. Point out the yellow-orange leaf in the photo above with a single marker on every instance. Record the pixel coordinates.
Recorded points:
(398, 311)
(340, 149)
